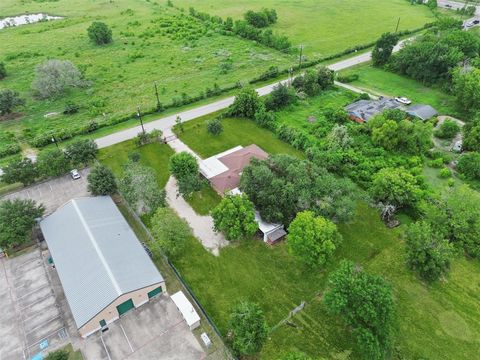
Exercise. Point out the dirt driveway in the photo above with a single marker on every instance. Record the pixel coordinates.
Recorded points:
(54, 193)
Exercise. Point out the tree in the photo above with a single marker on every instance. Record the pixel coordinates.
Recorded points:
(325, 77)
(9, 100)
(184, 167)
(281, 95)
(471, 135)
(140, 189)
(23, 171)
(248, 329)
(101, 181)
(466, 88)
(246, 103)
(235, 217)
(214, 127)
(58, 355)
(170, 232)
(52, 162)
(3, 71)
(427, 252)
(311, 239)
(99, 33)
(469, 165)
(256, 19)
(81, 152)
(395, 186)
(447, 130)
(54, 77)
(17, 218)
(365, 302)
(383, 48)
(339, 138)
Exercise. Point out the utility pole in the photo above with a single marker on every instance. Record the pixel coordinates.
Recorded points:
(159, 106)
(54, 141)
(140, 118)
(301, 57)
(398, 23)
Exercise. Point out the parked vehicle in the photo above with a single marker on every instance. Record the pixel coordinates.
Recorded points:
(75, 174)
(403, 100)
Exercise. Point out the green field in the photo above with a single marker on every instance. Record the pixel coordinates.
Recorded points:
(382, 82)
(152, 42)
(326, 27)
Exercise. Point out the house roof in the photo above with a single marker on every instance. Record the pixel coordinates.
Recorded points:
(96, 254)
(366, 109)
(235, 162)
(421, 111)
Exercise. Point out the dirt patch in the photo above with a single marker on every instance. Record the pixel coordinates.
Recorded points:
(11, 116)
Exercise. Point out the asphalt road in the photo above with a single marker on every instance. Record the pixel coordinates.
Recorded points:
(168, 122)
(454, 5)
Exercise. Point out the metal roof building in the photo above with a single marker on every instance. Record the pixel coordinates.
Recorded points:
(103, 268)
(364, 110)
(423, 112)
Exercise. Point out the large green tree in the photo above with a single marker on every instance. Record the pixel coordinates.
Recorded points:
(23, 171)
(139, 187)
(235, 217)
(471, 135)
(395, 186)
(466, 88)
(248, 329)
(58, 355)
(383, 48)
(313, 240)
(469, 165)
(365, 303)
(17, 218)
(99, 33)
(246, 103)
(171, 233)
(52, 162)
(101, 181)
(184, 167)
(9, 100)
(81, 152)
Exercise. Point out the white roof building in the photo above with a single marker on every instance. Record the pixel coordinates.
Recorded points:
(187, 310)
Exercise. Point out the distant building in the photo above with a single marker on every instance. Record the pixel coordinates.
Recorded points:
(422, 112)
(363, 110)
(103, 268)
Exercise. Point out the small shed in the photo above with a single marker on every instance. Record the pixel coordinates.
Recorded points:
(271, 232)
(187, 310)
(423, 112)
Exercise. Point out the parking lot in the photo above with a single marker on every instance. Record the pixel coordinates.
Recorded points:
(56, 192)
(30, 320)
(154, 331)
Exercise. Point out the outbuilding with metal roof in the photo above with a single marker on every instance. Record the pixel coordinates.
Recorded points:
(103, 268)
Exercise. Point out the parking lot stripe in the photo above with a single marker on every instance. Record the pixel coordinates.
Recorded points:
(126, 337)
(105, 347)
(46, 322)
(36, 302)
(33, 291)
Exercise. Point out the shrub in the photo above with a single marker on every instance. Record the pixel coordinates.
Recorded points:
(214, 127)
(99, 33)
(447, 130)
(348, 78)
(54, 77)
(101, 181)
(71, 108)
(246, 103)
(9, 99)
(261, 18)
(58, 355)
(3, 71)
(469, 165)
(281, 95)
(445, 173)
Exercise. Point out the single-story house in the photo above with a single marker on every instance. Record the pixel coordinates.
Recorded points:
(422, 112)
(224, 171)
(363, 110)
(103, 268)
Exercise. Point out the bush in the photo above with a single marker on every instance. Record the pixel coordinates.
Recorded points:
(348, 78)
(58, 355)
(101, 181)
(469, 165)
(447, 130)
(246, 103)
(9, 99)
(214, 127)
(3, 71)
(261, 18)
(265, 118)
(281, 95)
(99, 33)
(445, 173)
(71, 108)
(54, 77)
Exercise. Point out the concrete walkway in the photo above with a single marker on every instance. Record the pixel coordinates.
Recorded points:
(202, 226)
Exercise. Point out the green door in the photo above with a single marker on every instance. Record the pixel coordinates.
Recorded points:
(103, 323)
(124, 307)
(154, 292)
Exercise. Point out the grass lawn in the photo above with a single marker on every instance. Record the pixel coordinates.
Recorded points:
(154, 155)
(235, 132)
(324, 26)
(383, 82)
(152, 42)
(441, 321)
(204, 201)
(73, 355)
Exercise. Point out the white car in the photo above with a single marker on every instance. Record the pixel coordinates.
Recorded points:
(75, 174)
(403, 100)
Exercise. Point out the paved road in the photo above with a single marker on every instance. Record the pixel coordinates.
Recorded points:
(166, 123)
(454, 5)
